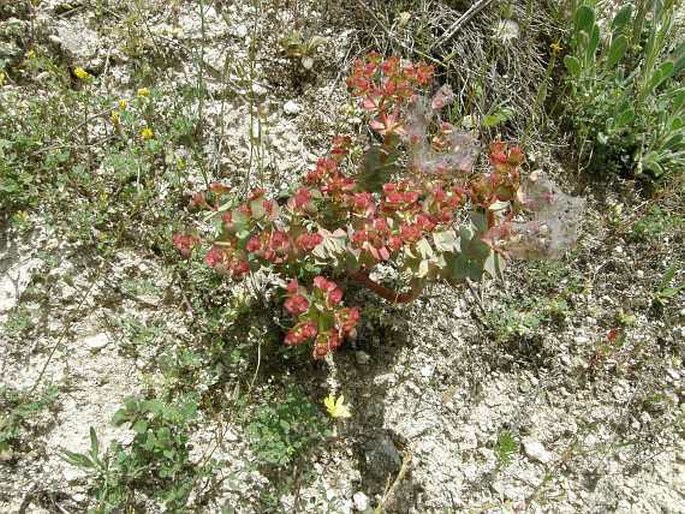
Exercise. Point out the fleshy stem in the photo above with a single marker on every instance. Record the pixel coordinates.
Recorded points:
(385, 292)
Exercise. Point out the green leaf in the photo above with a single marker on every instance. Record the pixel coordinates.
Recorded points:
(617, 50)
(585, 18)
(469, 261)
(662, 73)
(425, 249)
(624, 118)
(593, 44)
(572, 65)
(499, 116)
(257, 208)
(424, 268)
(678, 100)
(78, 459)
(140, 426)
(676, 125)
(446, 241)
(675, 142)
(120, 417)
(679, 67)
(153, 406)
(315, 42)
(333, 246)
(621, 19)
(376, 168)
(652, 162)
(668, 276)
(94, 443)
(494, 265)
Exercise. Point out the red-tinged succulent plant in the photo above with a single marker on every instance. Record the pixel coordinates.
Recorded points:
(412, 200)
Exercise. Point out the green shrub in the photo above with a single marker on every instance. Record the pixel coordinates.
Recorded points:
(655, 222)
(625, 88)
(157, 462)
(506, 447)
(281, 431)
(17, 412)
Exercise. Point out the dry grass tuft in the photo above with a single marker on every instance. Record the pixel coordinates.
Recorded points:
(496, 60)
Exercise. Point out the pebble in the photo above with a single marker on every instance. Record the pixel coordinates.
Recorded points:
(96, 342)
(494, 400)
(469, 441)
(536, 451)
(362, 357)
(291, 107)
(427, 370)
(388, 379)
(361, 501)
(239, 31)
(77, 40)
(230, 436)
(79, 497)
(506, 490)
(258, 90)
(619, 392)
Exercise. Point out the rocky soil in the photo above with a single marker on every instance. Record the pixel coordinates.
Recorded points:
(435, 387)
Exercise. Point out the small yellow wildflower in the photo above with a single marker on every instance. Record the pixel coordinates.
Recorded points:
(147, 133)
(21, 217)
(2, 78)
(81, 74)
(337, 408)
(143, 92)
(31, 54)
(123, 104)
(556, 48)
(115, 117)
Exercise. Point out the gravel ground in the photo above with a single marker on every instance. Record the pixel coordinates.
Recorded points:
(435, 387)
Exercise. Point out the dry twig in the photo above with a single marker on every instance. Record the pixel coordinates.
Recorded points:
(470, 13)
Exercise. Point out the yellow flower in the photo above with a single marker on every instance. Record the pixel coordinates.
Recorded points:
(21, 216)
(2, 78)
(115, 117)
(556, 48)
(31, 54)
(123, 104)
(81, 74)
(147, 133)
(143, 91)
(337, 408)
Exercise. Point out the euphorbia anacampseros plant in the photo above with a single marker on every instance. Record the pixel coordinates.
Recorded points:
(412, 200)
